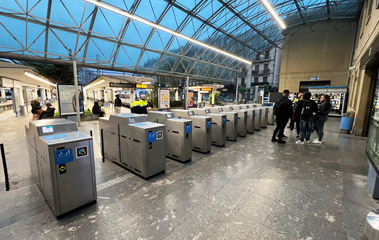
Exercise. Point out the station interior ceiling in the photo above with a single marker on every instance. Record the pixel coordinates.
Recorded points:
(63, 30)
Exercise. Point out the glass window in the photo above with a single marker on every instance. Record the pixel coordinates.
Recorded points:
(265, 79)
(372, 149)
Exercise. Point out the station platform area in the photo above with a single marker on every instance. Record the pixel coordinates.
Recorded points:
(249, 189)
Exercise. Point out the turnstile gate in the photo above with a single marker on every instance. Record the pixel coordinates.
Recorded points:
(218, 135)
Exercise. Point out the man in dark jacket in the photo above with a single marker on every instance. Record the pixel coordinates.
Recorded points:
(306, 109)
(117, 104)
(283, 111)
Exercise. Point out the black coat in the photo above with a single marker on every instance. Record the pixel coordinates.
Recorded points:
(299, 107)
(286, 109)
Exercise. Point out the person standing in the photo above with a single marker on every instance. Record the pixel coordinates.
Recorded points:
(283, 111)
(143, 104)
(323, 110)
(306, 109)
(117, 104)
(296, 116)
(294, 102)
(135, 107)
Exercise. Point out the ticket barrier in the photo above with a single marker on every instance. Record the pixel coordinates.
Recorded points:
(264, 117)
(242, 120)
(258, 116)
(201, 129)
(250, 116)
(142, 147)
(231, 122)
(271, 115)
(62, 164)
(218, 135)
(178, 135)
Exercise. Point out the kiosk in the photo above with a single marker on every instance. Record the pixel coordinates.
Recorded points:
(178, 135)
(218, 135)
(62, 163)
(201, 129)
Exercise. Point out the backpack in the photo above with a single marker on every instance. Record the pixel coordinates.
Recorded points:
(307, 109)
(278, 107)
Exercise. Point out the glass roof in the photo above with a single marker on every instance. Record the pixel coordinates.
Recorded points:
(61, 30)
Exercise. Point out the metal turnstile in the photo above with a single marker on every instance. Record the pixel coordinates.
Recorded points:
(258, 116)
(178, 135)
(231, 122)
(271, 115)
(242, 120)
(142, 147)
(250, 116)
(201, 129)
(218, 135)
(62, 163)
(264, 117)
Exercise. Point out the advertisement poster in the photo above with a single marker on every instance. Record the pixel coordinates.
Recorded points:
(164, 98)
(190, 98)
(67, 101)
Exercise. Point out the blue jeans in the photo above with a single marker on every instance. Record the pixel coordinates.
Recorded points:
(305, 129)
(320, 122)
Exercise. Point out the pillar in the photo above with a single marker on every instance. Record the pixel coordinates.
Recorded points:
(43, 96)
(213, 96)
(2, 95)
(199, 97)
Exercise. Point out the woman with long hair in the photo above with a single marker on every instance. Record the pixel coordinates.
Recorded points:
(322, 116)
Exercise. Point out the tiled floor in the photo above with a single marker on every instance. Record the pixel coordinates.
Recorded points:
(250, 189)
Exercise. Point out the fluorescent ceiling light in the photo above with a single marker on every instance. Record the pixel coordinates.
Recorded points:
(154, 25)
(273, 14)
(31, 75)
(146, 83)
(92, 85)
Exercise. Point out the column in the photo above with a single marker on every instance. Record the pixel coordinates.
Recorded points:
(199, 97)
(213, 96)
(43, 96)
(2, 95)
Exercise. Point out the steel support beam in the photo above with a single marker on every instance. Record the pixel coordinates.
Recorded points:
(47, 27)
(243, 19)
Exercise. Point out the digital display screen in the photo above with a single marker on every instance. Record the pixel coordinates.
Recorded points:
(169, 115)
(81, 152)
(220, 109)
(48, 129)
(207, 111)
(191, 113)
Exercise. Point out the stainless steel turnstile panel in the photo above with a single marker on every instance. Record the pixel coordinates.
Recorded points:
(264, 117)
(271, 115)
(242, 120)
(64, 164)
(201, 130)
(231, 122)
(178, 135)
(218, 135)
(258, 118)
(111, 134)
(250, 118)
(145, 147)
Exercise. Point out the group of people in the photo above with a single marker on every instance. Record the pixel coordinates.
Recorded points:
(139, 106)
(39, 113)
(303, 112)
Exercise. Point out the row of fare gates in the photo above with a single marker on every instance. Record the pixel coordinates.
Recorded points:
(62, 157)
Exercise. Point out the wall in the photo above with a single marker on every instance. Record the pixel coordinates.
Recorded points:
(321, 50)
(362, 78)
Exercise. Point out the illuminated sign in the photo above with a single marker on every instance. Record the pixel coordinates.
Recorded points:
(206, 89)
(141, 86)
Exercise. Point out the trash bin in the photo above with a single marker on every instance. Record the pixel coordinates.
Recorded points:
(347, 122)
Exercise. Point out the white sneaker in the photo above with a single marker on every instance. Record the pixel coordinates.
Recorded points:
(306, 141)
(299, 142)
(316, 141)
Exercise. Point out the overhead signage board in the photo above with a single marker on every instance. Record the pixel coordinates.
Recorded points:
(206, 89)
(315, 78)
(141, 86)
(122, 85)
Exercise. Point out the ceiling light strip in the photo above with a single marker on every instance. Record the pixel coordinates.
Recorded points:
(31, 75)
(92, 85)
(273, 14)
(154, 25)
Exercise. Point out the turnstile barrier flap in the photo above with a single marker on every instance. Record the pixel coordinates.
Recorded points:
(67, 137)
(52, 126)
(127, 118)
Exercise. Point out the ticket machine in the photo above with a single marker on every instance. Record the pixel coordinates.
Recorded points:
(218, 135)
(231, 122)
(178, 135)
(62, 163)
(201, 129)
(141, 144)
(242, 120)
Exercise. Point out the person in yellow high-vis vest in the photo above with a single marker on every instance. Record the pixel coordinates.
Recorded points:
(143, 104)
(135, 107)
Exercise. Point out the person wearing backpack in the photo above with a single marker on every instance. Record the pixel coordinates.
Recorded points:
(306, 109)
(323, 110)
(283, 111)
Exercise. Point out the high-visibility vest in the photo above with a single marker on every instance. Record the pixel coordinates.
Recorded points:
(135, 104)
